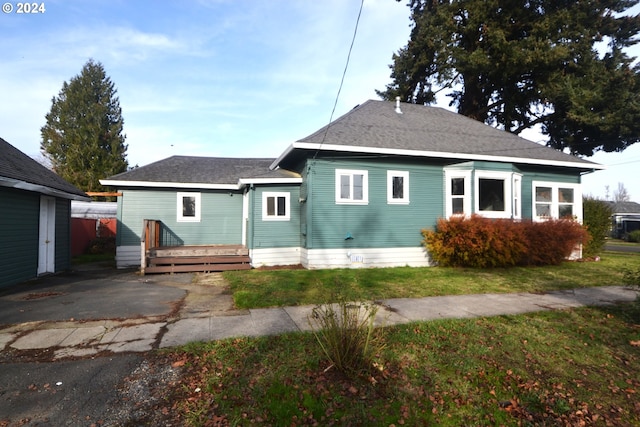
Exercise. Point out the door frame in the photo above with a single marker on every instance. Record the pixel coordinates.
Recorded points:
(47, 235)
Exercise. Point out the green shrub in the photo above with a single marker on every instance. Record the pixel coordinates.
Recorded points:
(102, 245)
(597, 221)
(634, 236)
(480, 242)
(347, 336)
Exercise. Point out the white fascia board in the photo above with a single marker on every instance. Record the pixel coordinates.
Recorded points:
(438, 154)
(22, 185)
(286, 152)
(148, 184)
(245, 181)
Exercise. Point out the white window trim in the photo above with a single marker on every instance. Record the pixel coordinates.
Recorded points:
(466, 199)
(507, 178)
(405, 187)
(577, 199)
(516, 195)
(365, 187)
(276, 195)
(179, 217)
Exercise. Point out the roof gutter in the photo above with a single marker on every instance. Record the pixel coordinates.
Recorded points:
(435, 154)
(22, 185)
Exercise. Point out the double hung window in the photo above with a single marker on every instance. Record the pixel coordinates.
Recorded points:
(188, 207)
(556, 200)
(275, 206)
(398, 187)
(352, 187)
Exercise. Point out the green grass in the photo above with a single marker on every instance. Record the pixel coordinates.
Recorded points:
(569, 367)
(268, 288)
(574, 367)
(107, 259)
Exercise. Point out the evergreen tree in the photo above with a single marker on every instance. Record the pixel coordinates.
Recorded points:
(83, 136)
(520, 63)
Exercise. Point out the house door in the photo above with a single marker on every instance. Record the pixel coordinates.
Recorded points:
(46, 239)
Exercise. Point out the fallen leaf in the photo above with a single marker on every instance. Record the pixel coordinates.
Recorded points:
(178, 363)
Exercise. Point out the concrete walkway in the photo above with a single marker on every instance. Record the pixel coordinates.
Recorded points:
(81, 339)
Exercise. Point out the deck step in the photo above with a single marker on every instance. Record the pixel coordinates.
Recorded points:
(229, 259)
(192, 268)
(198, 258)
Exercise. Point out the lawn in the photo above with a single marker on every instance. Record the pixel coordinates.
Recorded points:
(268, 288)
(570, 367)
(574, 367)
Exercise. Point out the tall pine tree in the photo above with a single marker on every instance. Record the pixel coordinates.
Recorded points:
(516, 64)
(83, 136)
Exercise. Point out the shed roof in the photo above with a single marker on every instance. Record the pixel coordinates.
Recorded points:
(375, 127)
(17, 170)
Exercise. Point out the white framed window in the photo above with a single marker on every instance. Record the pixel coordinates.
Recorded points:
(398, 187)
(458, 192)
(276, 206)
(496, 195)
(517, 198)
(188, 207)
(352, 187)
(556, 200)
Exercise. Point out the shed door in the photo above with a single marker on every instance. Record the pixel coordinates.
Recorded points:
(46, 240)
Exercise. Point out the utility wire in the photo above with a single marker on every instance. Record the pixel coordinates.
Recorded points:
(344, 73)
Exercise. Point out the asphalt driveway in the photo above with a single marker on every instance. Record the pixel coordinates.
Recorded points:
(91, 293)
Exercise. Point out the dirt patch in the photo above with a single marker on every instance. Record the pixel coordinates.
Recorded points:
(208, 294)
(38, 295)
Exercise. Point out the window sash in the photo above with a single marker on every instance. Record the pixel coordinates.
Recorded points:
(276, 206)
(397, 187)
(352, 187)
(556, 200)
(188, 207)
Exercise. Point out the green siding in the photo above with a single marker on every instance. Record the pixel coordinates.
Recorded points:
(274, 234)
(19, 221)
(63, 235)
(220, 222)
(377, 224)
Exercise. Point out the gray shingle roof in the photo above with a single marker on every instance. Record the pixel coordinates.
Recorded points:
(375, 125)
(18, 169)
(203, 170)
(625, 207)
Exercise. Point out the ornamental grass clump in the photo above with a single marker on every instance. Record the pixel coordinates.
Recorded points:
(347, 335)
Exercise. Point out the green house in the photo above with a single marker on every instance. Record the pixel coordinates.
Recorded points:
(35, 212)
(356, 193)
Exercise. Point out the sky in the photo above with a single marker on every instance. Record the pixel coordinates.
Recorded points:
(228, 78)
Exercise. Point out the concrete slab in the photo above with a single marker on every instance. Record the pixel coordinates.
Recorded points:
(42, 339)
(139, 346)
(186, 330)
(230, 326)
(76, 352)
(429, 308)
(300, 316)
(6, 338)
(83, 336)
(271, 321)
(137, 332)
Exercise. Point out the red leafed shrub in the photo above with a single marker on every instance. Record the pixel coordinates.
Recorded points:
(551, 242)
(483, 242)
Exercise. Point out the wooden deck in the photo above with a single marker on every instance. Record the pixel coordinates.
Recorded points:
(206, 258)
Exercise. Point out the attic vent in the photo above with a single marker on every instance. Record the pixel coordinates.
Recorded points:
(398, 110)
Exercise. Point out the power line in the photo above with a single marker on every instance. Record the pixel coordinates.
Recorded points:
(344, 73)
